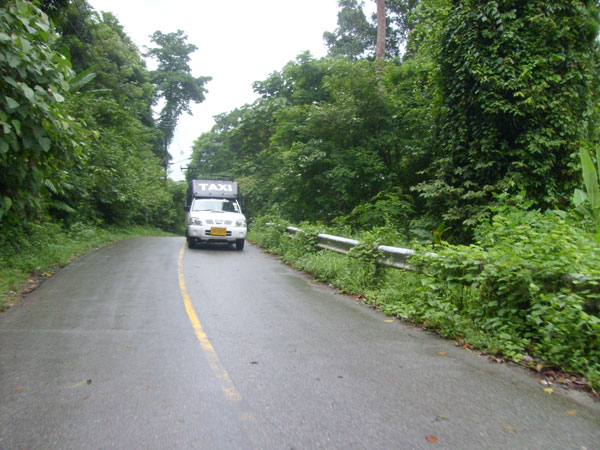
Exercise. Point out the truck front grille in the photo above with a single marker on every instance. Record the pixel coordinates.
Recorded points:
(218, 222)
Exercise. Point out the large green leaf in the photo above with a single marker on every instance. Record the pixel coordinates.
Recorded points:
(579, 197)
(11, 103)
(82, 79)
(7, 203)
(590, 178)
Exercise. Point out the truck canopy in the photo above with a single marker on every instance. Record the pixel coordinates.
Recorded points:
(212, 189)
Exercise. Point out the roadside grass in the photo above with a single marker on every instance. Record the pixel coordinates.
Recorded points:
(26, 261)
(517, 308)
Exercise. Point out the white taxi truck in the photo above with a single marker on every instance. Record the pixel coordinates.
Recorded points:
(214, 213)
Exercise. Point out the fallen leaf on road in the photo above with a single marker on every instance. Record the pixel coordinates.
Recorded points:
(442, 353)
(496, 359)
(390, 320)
(549, 390)
(571, 412)
(431, 438)
(81, 383)
(509, 430)
(18, 388)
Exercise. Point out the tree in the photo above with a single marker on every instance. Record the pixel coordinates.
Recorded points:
(117, 178)
(381, 26)
(400, 16)
(53, 7)
(356, 35)
(39, 137)
(174, 82)
(518, 93)
(320, 141)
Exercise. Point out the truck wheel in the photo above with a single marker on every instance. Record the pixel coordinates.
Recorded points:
(190, 242)
(239, 244)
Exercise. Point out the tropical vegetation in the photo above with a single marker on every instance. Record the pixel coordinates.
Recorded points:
(80, 147)
(472, 128)
(471, 135)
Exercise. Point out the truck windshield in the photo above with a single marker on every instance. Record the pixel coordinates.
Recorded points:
(215, 205)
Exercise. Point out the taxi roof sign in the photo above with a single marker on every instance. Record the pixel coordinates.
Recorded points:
(214, 189)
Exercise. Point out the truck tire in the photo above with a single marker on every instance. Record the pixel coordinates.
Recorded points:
(190, 242)
(239, 244)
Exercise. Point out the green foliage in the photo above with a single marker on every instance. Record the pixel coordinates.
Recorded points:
(320, 141)
(39, 137)
(492, 98)
(173, 216)
(98, 45)
(514, 285)
(103, 173)
(175, 84)
(518, 85)
(392, 208)
(368, 254)
(587, 203)
(356, 36)
(272, 228)
(118, 179)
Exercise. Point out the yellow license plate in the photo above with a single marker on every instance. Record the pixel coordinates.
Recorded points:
(214, 231)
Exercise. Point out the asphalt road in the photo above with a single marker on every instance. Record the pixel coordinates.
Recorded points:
(147, 344)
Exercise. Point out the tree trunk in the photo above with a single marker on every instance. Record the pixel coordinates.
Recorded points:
(380, 49)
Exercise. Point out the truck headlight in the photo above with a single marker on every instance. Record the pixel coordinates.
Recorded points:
(240, 223)
(195, 221)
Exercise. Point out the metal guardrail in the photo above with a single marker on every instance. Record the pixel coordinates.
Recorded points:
(392, 256)
(398, 257)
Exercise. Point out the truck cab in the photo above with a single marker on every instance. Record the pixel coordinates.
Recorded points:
(214, 213)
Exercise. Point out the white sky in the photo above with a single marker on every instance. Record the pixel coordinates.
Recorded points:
(239, 42)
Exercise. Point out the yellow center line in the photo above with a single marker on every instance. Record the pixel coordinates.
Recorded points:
(227, 386)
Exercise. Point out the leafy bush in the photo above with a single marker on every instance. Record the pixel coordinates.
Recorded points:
(518, 85)
(386, 208)
(513, 285)
(587, 203)
(39, 137)
(272, 231)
